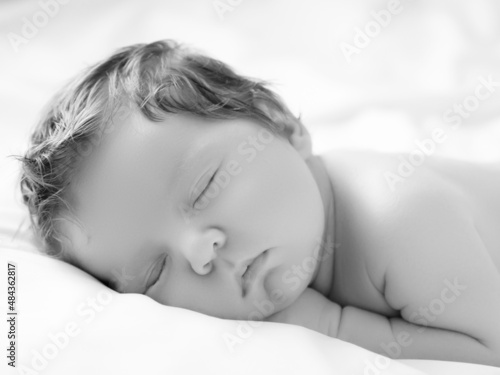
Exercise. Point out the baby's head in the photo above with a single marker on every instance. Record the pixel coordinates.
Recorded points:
(161, 171)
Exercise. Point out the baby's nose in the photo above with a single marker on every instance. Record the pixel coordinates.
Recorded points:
(202, 249)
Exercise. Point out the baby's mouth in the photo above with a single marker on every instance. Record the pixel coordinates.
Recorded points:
(250, 272)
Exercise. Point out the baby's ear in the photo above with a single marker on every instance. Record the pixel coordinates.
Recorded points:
(290, 127)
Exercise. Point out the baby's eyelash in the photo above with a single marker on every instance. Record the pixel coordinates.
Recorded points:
(159, 273)
(206, 187)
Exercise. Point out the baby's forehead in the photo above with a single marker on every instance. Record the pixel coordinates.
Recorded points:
(129, 172)
(137, 145)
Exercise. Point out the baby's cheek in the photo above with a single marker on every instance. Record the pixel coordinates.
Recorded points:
(284, 284)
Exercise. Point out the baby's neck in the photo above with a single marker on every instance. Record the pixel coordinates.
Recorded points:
(323, 275)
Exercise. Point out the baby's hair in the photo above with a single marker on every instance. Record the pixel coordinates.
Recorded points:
(159, 79)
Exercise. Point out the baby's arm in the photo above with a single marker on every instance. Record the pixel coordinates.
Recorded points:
(391, 337)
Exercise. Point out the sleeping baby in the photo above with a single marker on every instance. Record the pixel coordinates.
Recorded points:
(161, 171)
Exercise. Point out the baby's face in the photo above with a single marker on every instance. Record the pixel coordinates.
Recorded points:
(177, 210)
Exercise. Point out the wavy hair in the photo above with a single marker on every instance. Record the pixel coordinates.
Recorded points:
(158, 79)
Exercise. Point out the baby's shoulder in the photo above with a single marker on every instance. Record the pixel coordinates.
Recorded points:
(387, 183)
(372, 216)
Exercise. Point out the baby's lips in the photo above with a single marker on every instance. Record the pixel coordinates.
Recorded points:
(250, 275)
